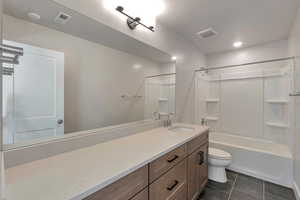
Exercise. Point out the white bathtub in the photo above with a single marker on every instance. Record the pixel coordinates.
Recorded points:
(262, 159)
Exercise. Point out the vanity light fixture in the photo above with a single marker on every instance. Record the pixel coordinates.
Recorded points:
(133, 22)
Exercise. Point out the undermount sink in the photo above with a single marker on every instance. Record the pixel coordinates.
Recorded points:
(181, 129)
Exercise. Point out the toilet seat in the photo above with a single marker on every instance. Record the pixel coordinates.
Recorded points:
(218, 154)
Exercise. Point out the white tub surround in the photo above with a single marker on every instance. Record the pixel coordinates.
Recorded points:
(262, 159)
(77, 174)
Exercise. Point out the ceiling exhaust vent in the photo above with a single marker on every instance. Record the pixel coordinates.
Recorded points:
(62, 18)
(207, 33)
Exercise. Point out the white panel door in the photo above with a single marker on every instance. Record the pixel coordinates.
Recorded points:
(38, 94)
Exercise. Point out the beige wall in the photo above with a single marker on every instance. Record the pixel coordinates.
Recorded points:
(189, 57)
(271, 50)
(294, 45)
(95, 76)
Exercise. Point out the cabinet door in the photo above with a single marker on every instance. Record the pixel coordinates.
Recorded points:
(203, 166)
(172, 185)
(197, 142)
(166, 162)
(197, 172)
(142, 195)
(125, 188)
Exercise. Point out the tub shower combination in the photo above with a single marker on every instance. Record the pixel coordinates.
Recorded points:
(262, 159)
(250, 114)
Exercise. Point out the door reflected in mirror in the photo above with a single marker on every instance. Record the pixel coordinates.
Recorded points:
(70, 78)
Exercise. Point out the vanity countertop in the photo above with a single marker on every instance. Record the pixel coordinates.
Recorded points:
(77, 174)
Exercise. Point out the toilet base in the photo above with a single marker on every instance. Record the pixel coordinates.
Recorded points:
(217, 174)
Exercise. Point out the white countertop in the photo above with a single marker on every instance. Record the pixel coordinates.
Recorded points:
(77, 174)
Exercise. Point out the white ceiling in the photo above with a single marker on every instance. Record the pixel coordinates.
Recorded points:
(251, 21)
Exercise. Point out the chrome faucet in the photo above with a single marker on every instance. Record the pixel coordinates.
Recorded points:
(203, 122)
(159, 116)
(168, 122)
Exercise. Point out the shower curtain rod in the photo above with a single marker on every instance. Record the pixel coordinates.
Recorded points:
(169, 74)
(244, 64)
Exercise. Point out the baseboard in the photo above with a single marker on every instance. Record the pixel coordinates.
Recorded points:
(296, 190)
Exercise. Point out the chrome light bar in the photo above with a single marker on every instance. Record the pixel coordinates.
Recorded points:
(133, 22)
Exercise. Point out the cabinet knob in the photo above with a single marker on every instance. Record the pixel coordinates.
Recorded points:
(60, 121)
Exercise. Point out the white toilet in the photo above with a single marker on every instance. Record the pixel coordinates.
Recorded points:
(218, 160)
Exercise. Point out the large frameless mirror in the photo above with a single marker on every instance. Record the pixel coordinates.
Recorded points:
(67, 73)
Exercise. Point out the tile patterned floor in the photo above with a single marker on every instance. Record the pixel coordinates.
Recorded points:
(242, 187)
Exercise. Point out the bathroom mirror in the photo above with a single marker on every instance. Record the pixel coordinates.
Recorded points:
(73, 74)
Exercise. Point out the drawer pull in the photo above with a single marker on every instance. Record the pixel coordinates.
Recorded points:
(170, 188)
(201, 155)
(173, 159)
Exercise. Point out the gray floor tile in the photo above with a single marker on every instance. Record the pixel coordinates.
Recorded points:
(210, 194)
(231, 175)
(278, 192)
(238, 195)
(223, 187)
(269, 196)
(248, 186)
(244, 187)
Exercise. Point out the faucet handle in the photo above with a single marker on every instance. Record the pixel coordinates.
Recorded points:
(154, 114)
(203, 122)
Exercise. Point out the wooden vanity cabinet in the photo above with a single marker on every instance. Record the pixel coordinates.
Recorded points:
(142, 195)
(178, 175)
(170, 185)
(197, 172)
(197, 142)
(125, 188)
(166, 162)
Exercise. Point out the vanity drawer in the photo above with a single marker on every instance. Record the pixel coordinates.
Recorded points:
(172, 185)
(125, 188)
(166, 162)
(142, 195)
(197, 142)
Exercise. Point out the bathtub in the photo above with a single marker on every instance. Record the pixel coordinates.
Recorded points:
(258, 158)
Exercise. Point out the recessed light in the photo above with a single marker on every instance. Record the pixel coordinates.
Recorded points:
(238, 44)
(137, 66)
(174, 58)
(34, 16)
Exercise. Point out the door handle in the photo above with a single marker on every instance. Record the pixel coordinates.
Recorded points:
(173, 159)
(60, 121)
(170, 188)
(201, 156)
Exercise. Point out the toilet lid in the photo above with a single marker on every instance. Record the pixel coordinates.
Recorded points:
(219, 154)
